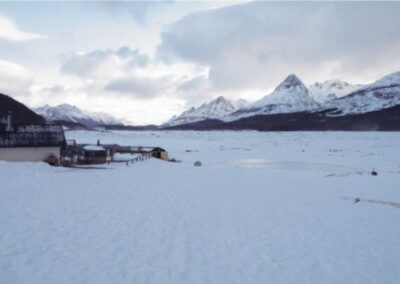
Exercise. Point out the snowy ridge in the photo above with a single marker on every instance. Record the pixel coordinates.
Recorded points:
(216, 109)
(331, 89)
(290, 96)
(71, 113)
(381, 94)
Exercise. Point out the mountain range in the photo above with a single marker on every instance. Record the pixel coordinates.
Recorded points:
(72, 116)
(333, 104)
(290, 96)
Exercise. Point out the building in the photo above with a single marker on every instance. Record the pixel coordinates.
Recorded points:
(159, 153)
(84, 154)
(30, 143)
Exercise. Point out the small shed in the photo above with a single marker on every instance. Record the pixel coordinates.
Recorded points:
(159, 153)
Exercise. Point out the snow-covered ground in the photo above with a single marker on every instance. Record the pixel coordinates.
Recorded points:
(263, 208)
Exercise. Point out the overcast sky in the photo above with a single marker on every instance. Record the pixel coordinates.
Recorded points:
(145, 61)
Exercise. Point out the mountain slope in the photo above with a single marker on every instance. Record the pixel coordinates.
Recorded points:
(21, 114)
(216, 109)
(383, 93)
(71, 114)
(290, 96)
(387, 119)
(331, 89)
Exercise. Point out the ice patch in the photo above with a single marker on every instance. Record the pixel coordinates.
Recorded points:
(294, 166)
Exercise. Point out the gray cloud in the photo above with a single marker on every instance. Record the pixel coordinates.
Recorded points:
(194, 84)
(139, 87)
(139, 10)
(100, 62)
(255, 44)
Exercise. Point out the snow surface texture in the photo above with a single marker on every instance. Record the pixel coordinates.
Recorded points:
(216, 109)
(73, 114)
(263, 208)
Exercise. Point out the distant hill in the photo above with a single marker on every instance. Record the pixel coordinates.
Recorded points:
(21, 114)
(73, 117)
(216, 109)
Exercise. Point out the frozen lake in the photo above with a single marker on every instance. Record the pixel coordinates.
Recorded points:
(262, 208)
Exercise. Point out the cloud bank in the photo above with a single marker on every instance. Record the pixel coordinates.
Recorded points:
(9, 31)
(104, 63)
(254, 45)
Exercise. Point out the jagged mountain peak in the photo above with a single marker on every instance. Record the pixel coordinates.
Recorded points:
(220, 99)
(290, 91)
(291, 95)
(291, 81)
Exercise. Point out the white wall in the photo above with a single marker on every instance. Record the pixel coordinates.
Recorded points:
(28, 154)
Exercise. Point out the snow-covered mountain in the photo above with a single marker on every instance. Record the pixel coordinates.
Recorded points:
(216, 109)
(331, 89)
(240, 103)
(290, 96)
(381, 94)
(70, 113)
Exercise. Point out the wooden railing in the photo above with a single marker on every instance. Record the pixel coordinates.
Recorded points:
(138, 159)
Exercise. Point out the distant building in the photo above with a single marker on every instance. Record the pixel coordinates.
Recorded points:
(30, 143)
(159, 153)
(94, 154)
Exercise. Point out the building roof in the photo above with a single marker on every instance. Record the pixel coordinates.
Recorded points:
(45, 135)
(93, 148)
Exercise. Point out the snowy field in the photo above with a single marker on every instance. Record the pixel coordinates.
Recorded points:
(263, 208)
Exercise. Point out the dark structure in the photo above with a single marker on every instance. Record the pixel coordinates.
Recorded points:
(32, 136)
(84, 154)
(21, 113)
(159, 153)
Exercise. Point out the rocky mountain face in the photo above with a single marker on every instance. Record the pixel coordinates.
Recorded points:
(21, 114)
(69, 114)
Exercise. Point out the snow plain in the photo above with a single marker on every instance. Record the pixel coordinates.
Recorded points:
(263, 208)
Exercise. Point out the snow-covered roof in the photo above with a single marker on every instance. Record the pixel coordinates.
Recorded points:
(93, 148)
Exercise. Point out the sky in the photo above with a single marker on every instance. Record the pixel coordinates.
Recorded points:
(146, 61)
